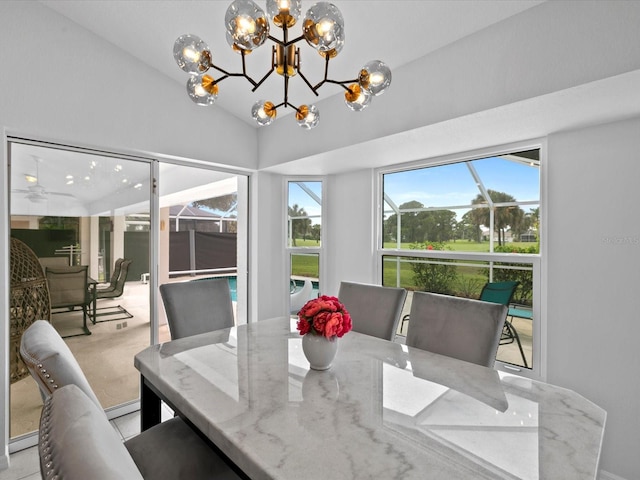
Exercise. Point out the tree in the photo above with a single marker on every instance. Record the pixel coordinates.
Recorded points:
(224, 203)
(300, 222)
(315, 232)
(468, 229)
(421, 226)
(504, 217)
(438, 225)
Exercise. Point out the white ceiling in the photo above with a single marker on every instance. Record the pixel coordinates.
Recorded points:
(81, 184)
(396, 32)
(147, 29)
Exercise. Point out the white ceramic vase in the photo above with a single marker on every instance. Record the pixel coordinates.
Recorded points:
(319, 350)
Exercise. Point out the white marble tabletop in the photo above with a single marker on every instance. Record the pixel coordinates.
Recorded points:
(383, 411)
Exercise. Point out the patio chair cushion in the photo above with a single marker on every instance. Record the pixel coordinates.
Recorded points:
(77, 441)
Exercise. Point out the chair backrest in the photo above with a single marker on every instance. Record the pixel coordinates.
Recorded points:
(68, 286)
(77, 441)
(457, 327)
(115, 274)
(116, 288)
(374, 310)
(53, 262)
(499, 292)
(302, 296)
(197, 306)
(50, 361)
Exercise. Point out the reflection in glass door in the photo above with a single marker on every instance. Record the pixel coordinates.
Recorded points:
(79, 208)
(203, 218)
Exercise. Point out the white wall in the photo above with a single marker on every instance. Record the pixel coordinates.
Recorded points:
(350, 235)
(267, 228)
(593, 278)
(60, 82)
(549, 48)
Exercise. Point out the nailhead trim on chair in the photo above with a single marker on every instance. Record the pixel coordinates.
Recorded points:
(48, 467)
(47, 376)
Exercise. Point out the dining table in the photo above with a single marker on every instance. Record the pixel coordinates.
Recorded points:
(382, 411)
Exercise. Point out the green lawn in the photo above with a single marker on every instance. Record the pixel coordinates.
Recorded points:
(465, 246)
(468, 283)
(305, 265)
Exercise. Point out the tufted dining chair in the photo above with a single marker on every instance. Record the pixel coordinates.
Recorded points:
(374, 310)
(170, 450)
(462, 328)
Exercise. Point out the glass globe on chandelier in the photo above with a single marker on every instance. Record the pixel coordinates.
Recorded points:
(247, 28)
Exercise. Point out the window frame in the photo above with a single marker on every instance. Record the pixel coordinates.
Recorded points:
(537, 261)
(290, 250)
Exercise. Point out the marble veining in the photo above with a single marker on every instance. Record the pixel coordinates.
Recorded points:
(382, 411)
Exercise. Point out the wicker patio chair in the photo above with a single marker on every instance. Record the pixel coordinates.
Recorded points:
(29, 301)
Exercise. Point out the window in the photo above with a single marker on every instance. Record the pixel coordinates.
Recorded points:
(451, 228)
(304, 240)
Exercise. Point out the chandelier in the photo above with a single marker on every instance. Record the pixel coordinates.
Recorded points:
(247, 28)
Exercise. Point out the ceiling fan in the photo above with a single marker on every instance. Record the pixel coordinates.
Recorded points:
(37, 193)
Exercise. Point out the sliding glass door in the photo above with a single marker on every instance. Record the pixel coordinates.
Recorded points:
(71, 208)
(134, 223)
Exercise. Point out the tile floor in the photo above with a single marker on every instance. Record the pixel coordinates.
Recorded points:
(24, 465)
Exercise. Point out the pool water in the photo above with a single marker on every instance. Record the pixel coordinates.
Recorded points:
(300, 283)
(233, 286)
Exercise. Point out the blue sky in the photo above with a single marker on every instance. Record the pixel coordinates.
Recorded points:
(297, 196)
(446, 185)
(453, 184)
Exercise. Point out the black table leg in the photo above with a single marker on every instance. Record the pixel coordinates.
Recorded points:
(149, 406)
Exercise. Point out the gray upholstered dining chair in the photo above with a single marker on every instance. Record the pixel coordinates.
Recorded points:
(170, 450)
(197, 306)
(374, 310)
(462, 328)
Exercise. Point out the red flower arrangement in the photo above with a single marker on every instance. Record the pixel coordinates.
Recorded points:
(324, 315)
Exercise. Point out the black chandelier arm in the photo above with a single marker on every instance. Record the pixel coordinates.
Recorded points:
(343, 83)
(311, 87)
(286, 104)
(286, 90)
(261, 81)
(244, 69)
(276, 40)
(295, 40)
(273, 64)
(230, 74)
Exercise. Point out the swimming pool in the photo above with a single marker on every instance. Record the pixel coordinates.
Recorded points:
(233, 285)
(299, 283)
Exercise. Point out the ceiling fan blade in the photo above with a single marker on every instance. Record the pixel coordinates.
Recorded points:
(60, 194)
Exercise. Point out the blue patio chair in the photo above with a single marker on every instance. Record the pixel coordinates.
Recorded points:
(502, 293)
